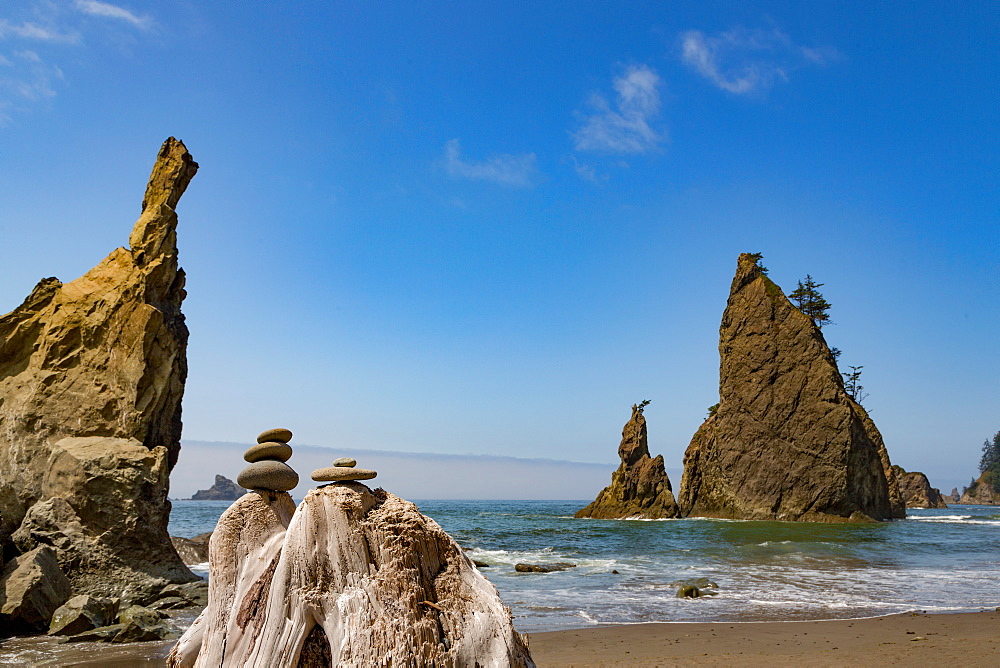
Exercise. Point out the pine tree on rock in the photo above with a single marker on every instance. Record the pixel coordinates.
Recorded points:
(809, 300)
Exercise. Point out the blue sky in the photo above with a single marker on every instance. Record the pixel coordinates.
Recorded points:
(489, 228)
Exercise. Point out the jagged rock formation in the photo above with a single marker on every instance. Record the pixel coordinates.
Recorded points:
(351, 578)
(91, 378)
(192, 551)
(639, 488)
(224, 489)
(786, 442)
(981, 492)
(32, 587)
(917, 491)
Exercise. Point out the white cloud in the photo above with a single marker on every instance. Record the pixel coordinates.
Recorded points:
(623, 128)
(28, 30)
(510, 170)
(748, 61)
(107, 10)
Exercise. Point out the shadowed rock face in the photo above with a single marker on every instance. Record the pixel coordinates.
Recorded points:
(640, 487)
(91, 378)
(917, 491)
(787, 442)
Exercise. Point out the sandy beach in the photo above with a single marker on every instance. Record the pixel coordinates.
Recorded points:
(969, 639)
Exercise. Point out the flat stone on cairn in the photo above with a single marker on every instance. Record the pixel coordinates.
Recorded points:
(267, 469)
(342, 471)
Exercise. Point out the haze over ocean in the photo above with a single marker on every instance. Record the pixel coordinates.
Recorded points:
(490, 229)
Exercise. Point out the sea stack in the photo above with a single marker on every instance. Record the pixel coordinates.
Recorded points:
(640, 488)
(981, 492)
(917, 491)
(352, 577)
(91, 378)
(224, 489)
(786, 441)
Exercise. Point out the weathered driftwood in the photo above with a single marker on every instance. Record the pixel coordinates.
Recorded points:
(352, 578)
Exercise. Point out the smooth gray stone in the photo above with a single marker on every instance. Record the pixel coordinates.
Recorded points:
(341, 473)
(268, 474)
(268, 450)
(345, 461)
(277, 434)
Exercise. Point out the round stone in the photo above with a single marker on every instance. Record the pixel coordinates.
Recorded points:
(345, 461)
(279, 434)
(268, 450)
(342, 474)
(268, 474)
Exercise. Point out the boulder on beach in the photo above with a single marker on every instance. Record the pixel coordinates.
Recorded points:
(32, 587)
(91, 378)
(192, 551)
(223, 489)
(786, 442)
(640, 488)
(917, 491)
(350, 577)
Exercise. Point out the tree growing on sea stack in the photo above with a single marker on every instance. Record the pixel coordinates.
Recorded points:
(640, 487)
(787, 442)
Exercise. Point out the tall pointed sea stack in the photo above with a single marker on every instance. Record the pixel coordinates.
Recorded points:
(639, 488)
(787, 442)
(91, 378)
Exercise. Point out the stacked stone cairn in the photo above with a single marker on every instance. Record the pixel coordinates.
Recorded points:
(343, 470)
(268, 469)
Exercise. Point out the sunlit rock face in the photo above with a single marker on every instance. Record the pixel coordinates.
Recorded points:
(91, 378)
(786, 442)
(640, 487)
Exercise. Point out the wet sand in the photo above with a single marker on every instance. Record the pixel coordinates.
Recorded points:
(967, 639)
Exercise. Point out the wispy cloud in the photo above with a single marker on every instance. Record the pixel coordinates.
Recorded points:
(625, 126)
(744, 61)
(108, 10)
(33, 31)
(33, 78)
(510, 170)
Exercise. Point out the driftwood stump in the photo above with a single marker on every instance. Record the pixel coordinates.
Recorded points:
(350, 578)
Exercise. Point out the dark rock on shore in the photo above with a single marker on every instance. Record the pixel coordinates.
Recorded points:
(192, 550)
(32, 587)
(224, 489)
(640, 487)
(543, 568)
(917, 491)
(786, 442)
(82, 613)
(91, 378)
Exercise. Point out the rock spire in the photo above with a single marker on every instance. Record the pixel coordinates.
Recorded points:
(787, 442)
(639, 488)
(91, 378)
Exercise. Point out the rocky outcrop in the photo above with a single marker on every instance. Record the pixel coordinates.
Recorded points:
(224, 489)
(917, 491)
(32, 587)
(640, 488)
(981, 492)
(786, 442)
(192, 551)
(353, 577)
(91, 378)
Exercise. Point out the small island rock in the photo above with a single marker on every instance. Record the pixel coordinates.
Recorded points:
(640, 488)
(224, 489)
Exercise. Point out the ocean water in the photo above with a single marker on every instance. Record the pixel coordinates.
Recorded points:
(945, 560)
